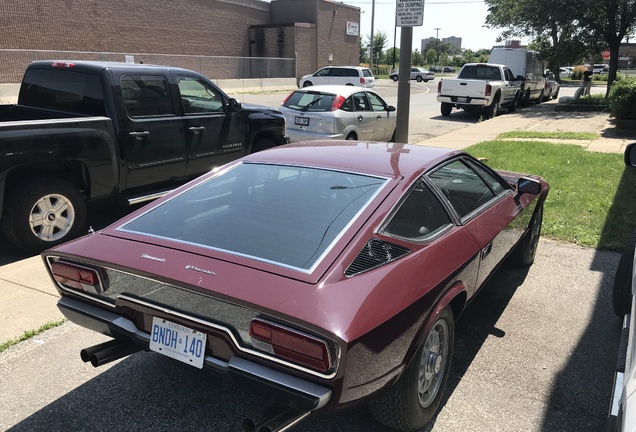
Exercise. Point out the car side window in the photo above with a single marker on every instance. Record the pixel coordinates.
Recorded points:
(351, 72)
(348, 104)
(360, 102)
(377, 104)
(323, 72)
(463, 187)
(496, 184)
(421, 215)
(146, 95)
(199, 97)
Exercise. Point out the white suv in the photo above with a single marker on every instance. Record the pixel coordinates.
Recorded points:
(342, 75)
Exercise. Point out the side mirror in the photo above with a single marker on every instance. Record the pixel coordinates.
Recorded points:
(390, 108)
(234, 105)
(528, 185)
(630, 155)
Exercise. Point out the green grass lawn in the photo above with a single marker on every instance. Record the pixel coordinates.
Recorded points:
(592, 199)
(550, 135)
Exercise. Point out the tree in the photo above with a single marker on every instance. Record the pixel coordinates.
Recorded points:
(363, 53)
(389, 55)
(431, 56)
(380, 40)
(417, 59)
(611, 21)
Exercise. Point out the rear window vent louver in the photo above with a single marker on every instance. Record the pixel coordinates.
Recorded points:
(374, 254)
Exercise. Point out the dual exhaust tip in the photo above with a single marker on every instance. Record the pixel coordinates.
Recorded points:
(276, 417)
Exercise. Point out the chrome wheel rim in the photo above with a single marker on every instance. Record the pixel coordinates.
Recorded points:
(433, 363)
(52, 217)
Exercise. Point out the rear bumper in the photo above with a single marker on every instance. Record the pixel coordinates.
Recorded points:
(296, 392)
(299, 135)
(479, 102)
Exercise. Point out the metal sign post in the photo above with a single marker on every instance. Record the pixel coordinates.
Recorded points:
(408, 14)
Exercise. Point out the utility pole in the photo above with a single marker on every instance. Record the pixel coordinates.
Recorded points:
(371, 42)
(437, 29)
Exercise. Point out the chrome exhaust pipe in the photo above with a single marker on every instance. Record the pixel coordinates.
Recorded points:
(276, 417)
(107, 352)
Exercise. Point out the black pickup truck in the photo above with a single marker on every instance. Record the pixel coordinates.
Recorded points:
(86, 131)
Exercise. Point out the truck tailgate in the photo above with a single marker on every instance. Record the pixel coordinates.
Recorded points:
(463, 87)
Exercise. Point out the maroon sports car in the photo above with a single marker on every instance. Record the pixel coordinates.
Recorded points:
(326, 273)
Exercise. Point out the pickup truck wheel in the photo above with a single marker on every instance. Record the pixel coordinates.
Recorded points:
(446, 109)
(42, 213)
(262, 144)
(622, 289)
(413, 400)
(525, 251)
(492, 110)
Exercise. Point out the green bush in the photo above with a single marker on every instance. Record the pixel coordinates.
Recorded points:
(622, 99)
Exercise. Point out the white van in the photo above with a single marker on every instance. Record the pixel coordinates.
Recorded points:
(340, 75)
(526, 64)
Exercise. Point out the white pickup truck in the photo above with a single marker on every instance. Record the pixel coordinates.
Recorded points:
(479, 86)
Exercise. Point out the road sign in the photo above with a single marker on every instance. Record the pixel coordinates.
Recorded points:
(605, 54)
(409, 13)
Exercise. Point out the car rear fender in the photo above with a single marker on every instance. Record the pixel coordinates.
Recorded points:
(455, 297)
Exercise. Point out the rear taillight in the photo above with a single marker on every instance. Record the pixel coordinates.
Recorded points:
(338, 101)
(362, 81)
(288, 96)
(439, 87)
(76, 277)
(488, 89)
(291, 345)
(63, 65)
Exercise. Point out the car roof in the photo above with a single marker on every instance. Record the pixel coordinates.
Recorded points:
(392, 160)
(343, 90)
(96, 66)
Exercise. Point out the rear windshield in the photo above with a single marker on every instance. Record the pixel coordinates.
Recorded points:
(282, 214)
(310, 101)
(367, 73)
(63, 90)
(482, 72)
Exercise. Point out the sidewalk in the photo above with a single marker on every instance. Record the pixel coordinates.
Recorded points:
(28, 298)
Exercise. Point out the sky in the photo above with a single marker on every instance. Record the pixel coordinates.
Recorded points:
(459, 18)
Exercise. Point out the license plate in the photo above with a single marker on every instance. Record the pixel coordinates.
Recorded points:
(178, 342)
(459, 99)
(302, 121)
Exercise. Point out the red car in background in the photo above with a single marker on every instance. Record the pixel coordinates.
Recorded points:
(327, 273)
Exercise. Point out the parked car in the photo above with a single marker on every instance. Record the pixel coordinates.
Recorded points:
(449, 69)
(340, 75)
(417, 73)
(565, 72)
(622, 412)
(326, 273)
(435, 69)
(600, 68)
(84, 131)
(338, 112)
(552, 87)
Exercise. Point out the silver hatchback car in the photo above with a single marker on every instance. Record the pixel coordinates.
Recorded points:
(338, 112)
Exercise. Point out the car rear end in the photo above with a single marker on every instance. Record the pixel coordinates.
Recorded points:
(367, 80)
(314, 113)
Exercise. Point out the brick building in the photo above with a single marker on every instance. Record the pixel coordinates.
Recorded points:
(314, 32)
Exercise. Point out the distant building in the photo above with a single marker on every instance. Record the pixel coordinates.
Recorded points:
(454, 41)
(425, 44)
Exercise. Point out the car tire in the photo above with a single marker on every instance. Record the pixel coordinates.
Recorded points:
(525, 251)
(414, 399)
(418, 78)
(446, 109)
(541, 97)
(513, 105)
(622, 289)
(394, 78)
(43, 213)
(307, 84)
(525, 99)
(556, 95)
(492, 109)
(352, 137)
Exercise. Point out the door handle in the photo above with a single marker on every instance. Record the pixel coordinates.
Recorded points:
(196, 129)
(139, 134)
(360, 118)
(379, 117)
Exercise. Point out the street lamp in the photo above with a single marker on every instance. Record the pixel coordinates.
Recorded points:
(437, 29)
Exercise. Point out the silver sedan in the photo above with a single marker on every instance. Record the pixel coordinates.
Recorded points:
(338, 112)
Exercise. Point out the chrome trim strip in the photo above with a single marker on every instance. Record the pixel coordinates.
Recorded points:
(231, 336)
(145, 198)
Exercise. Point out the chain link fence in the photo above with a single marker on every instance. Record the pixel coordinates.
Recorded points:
(13, 63)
